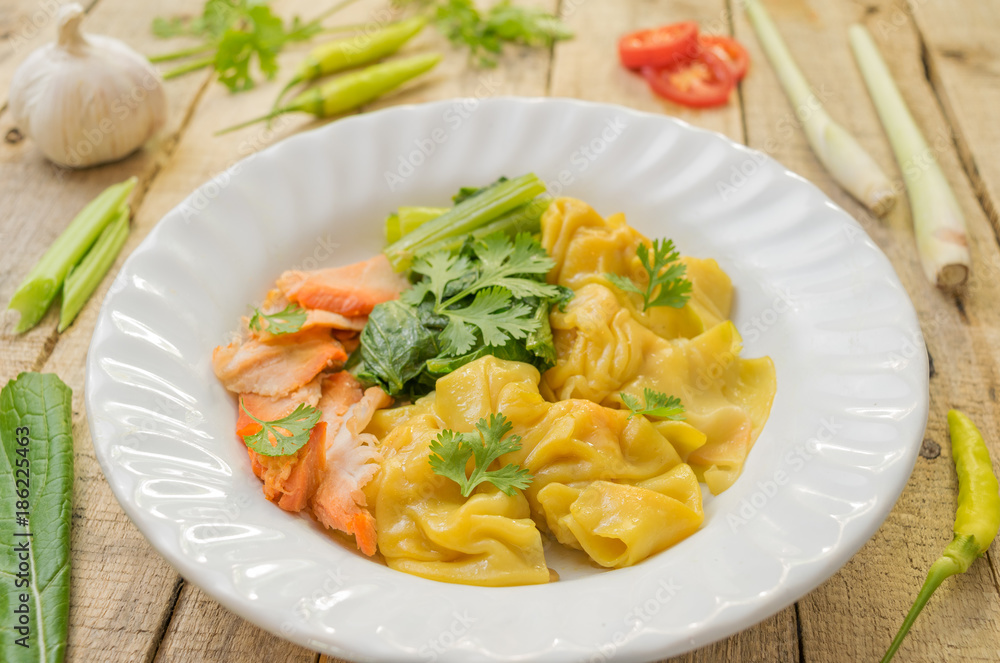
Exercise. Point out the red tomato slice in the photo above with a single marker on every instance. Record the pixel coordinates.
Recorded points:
(659, 47)
(729, 51)
(700, 83)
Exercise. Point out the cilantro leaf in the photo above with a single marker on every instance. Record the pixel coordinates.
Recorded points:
(287, 321)
(657, 404)
(492, 313)
(486, 33)
(450, 453)
(666, 272)
(271, 441)
(238, 31)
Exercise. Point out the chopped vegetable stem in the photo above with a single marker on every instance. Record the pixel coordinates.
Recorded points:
(838, 151)
(524, 219)
(465, 217)
(84, 278)
(411, 218)
(40, 286)
(937, 217)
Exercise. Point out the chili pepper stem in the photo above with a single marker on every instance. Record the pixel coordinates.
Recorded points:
(263, 118)
(943, 568)
(201, 63)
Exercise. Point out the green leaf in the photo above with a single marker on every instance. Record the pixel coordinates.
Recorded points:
(450, 453)
(492, 314)
(284, 436)
(657, 404)
(35, 409)
(395, 346)
(484, 34)
(667, 285)
(287, 321)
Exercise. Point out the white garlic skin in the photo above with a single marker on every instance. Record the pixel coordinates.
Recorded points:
(86, 99)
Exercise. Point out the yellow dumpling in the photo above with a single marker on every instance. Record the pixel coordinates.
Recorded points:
(426, 527)
(627, 482)
(620, 524)
(603, 350)
(586, 246)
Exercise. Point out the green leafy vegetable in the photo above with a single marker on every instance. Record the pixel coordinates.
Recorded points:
(451, 451)
(473, 212)
(287, 321)
(474, 294)
(657, 404)
(486, 33)
(665, 271)
(395, 345)
(36, 492)
(235, 33)
(271, 441)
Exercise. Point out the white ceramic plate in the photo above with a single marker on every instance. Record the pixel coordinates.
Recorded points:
(813, 292)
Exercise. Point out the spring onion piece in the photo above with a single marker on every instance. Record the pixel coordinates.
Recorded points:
(39, 288)
(466, 216)
(937, 217)
(849, 164)
(84, 278)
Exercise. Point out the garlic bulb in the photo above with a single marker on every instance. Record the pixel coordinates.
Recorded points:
(86, 99)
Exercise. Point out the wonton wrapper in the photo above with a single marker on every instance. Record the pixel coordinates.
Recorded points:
(428, 529)
(629, 481)
(586, 247)
(603, 350)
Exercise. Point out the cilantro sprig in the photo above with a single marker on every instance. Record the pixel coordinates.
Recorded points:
(657, 404)
(667, 285)
(482, 293)
(234, 33)
(484, 33)
(283, 436)
(450, 453)
(287, 321)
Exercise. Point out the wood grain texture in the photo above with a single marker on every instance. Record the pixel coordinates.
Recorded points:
(962, 54)
(129, 605)
(39, 199)
(854, 615)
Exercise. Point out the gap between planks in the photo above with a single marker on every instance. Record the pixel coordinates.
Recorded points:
(958, 139)
(161, 631)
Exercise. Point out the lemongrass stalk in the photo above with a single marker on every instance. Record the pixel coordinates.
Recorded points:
(937, 218)
(40, 286)
(84, 278)
(849, 164)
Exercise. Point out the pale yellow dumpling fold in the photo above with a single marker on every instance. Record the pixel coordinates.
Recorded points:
(609, 485)
(426, 527)
(603, 350)
(586, 246)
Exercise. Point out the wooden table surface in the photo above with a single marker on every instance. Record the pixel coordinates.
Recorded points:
(127, 604)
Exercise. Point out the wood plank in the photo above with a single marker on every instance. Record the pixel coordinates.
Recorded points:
(587, 67)
(227, 638)
(854, 615)
(774, 640)
(962, 54)
(39, 199)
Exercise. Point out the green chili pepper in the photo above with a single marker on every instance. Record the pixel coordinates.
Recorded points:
(352, 90)
(354, 51)
(976, 521)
